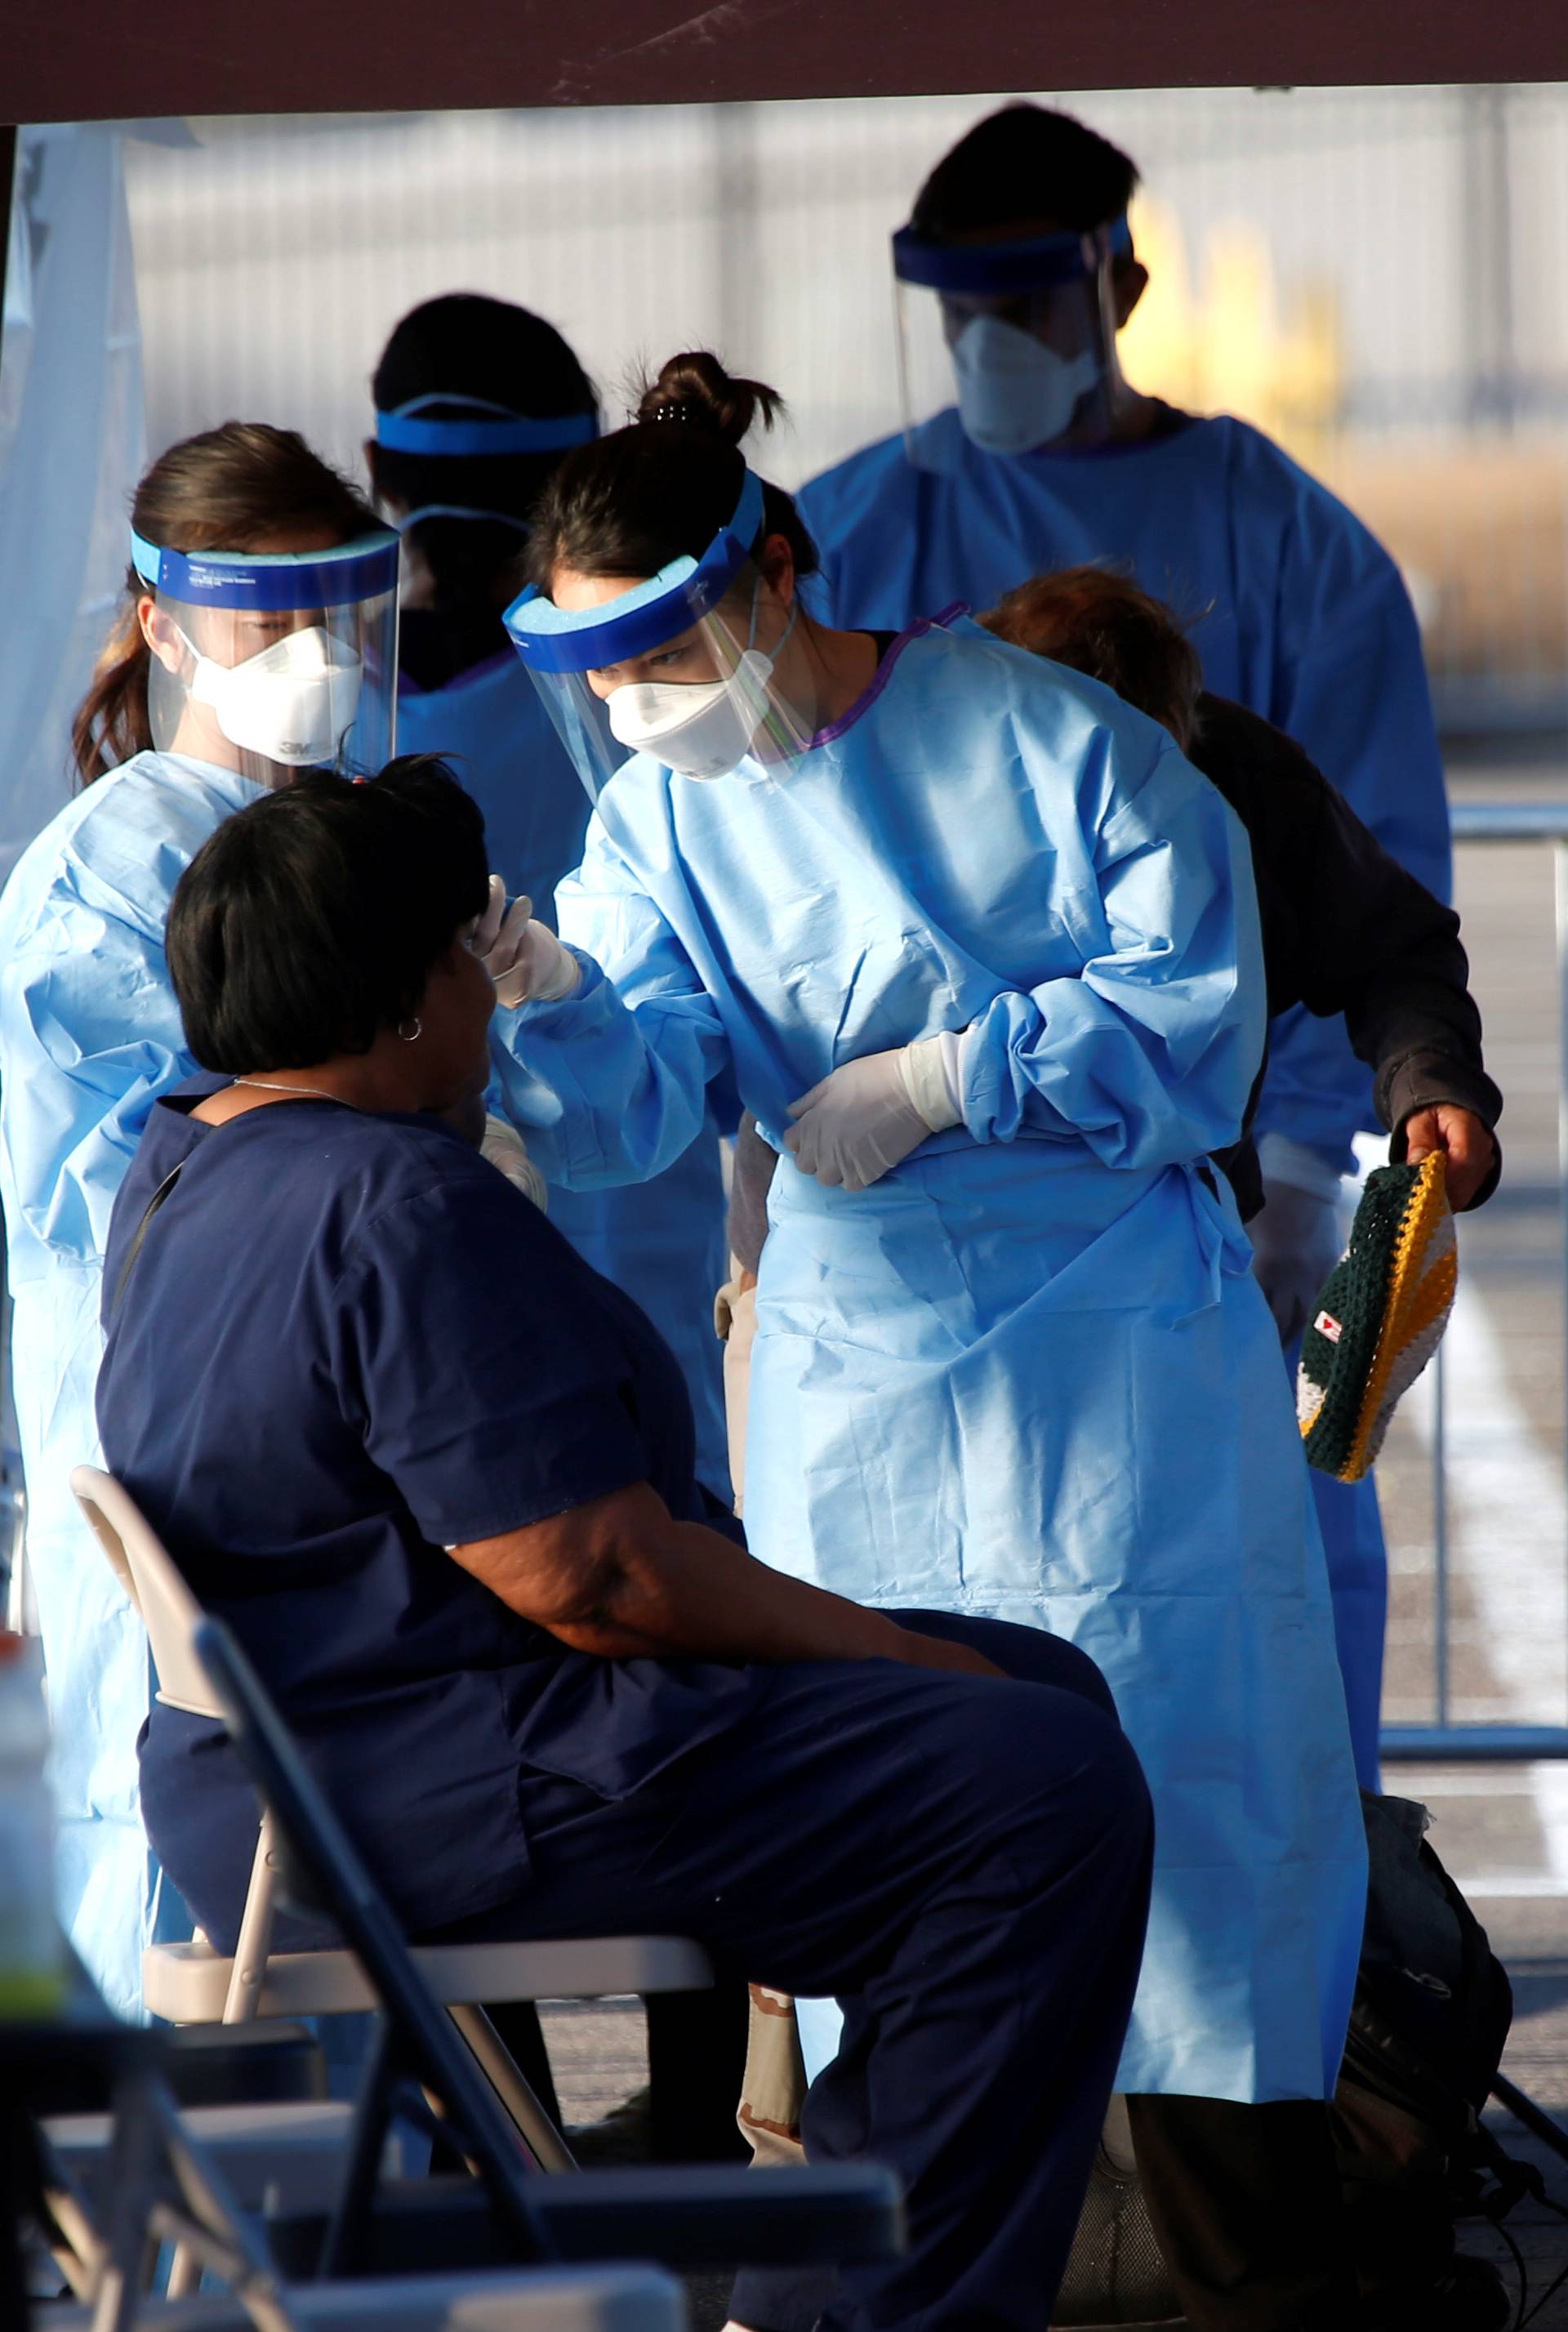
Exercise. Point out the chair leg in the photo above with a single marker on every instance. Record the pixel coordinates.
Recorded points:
(537, 2132)
(250, 1967)
(1530, 2115)
(517, 2021)
(185, 2273)
(21, 2183)
(78, 2253)
(241, 2003)
(344, 2242)
(132, 2182)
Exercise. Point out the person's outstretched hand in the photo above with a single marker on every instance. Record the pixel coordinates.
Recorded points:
(523, 956)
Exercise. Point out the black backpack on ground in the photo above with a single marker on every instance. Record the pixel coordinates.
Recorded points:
(1432, 2013)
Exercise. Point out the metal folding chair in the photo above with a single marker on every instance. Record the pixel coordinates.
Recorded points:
(192, 1983)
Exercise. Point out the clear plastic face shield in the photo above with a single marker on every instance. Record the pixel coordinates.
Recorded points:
(274, 662)
(702, 667)
(1022, 336)
(446, 423)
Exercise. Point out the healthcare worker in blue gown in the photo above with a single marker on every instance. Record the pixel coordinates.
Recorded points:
(979, 948)
(476, 400)
(1014, 276)
(258, 638)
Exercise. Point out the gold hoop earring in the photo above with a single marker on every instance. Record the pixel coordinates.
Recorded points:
(411, 1036)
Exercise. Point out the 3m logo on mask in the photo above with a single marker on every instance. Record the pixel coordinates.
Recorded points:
(290, 703)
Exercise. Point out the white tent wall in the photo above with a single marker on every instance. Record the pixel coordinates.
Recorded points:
(1381, 275)
(273, 264)
(271, 259)
(71, 448)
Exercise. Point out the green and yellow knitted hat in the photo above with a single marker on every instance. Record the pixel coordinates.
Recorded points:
(1380, 1317)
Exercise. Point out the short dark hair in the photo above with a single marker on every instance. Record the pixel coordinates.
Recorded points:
(1026, 163)
(471, 345)
(1101, 623)
(313, 917)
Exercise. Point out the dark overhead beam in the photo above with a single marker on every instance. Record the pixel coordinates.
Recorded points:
(101, 59)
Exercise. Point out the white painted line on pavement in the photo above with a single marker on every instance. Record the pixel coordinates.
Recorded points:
(1520, 1886)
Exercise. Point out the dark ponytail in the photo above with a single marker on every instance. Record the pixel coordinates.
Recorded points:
(694, 388)
(661, 489)
(111, 723)
(229, 489)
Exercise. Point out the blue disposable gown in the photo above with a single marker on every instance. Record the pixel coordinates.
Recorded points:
(1028, 1374)
(1300, 614)
(90, 1036)
(663, 1242)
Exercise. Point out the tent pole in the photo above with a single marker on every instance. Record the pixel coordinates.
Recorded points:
(8, 180)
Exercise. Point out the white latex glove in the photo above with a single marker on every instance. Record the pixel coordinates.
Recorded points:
(524, 958)
(508, 1152)
(866, 1116)
(1296, 1244)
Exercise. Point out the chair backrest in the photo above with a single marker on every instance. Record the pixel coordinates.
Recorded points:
(424, 2034)
(146, 1570)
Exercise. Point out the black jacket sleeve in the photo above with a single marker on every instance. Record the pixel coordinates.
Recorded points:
(1345, 929)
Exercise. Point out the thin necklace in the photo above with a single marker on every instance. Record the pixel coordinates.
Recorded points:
(314, 1093)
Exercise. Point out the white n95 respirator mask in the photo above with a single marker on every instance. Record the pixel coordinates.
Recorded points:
(700, 728)
(1013, 392)
(290, 703)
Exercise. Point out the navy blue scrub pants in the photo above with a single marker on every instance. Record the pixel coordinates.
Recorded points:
(963, 1862)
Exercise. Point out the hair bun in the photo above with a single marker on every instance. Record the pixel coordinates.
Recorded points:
(694, 391)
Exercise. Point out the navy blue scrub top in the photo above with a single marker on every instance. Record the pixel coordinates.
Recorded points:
(347, 1343)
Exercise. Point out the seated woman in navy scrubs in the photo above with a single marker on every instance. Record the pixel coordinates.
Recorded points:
(437, 1477)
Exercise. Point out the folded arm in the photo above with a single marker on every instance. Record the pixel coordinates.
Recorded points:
(620, 1578)
(1149, 1055)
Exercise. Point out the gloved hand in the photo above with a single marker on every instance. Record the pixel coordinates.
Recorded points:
(866, 1116)
(508, 1152)
(524, 958)
(1296, 1244)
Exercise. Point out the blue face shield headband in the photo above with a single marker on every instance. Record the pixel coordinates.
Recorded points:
(410, 428)
(288, 658)
(552, 639)
(272, 581)
(1023, 330)
(1003, 270)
